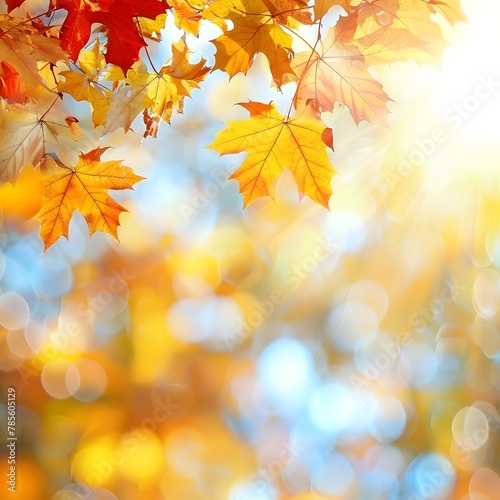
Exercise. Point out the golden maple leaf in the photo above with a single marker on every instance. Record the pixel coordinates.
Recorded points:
(321, 7)
(83, 187)
(151, 28)
(188, 14)
(83, 85)
(254, 30)
(274, 142)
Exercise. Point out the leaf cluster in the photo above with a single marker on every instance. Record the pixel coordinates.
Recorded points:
(44, 62)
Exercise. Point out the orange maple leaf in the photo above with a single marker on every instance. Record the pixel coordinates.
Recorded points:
(275, 142)
(12, 89)
(290, 13)
(23, 45)
(338, 73)
(83, 187)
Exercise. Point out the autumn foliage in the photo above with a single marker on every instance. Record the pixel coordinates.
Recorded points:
(49, 59)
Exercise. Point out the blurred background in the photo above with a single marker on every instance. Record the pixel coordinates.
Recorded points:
(282, 351)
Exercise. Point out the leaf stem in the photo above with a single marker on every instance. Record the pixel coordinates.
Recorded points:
(301, 77)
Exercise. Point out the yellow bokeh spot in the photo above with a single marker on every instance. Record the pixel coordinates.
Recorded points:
(22, 199)
(96, 464)
(142, 455)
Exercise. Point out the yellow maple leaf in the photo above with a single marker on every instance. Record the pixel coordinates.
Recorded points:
(151, 28)
(451, 10)
(338, 73)
(274, 142)
(188, 14)
(83, 86)
(157, 93)
(254, 30)
(83, 187)
(371, 14)
(171, 85)
(321, 7)
(394, 30)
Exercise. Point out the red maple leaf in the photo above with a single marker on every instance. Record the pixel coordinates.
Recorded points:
(124, 38)
(13, 4)
(12, 89)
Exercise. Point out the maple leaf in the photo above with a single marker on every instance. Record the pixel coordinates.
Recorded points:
(83, 187)
(128, 100)
(171, 85)
(371, 14)
(159, 94)
(255, 30)
(290, 13)
(321, 7)
(124, 38)
(338, 73)
(274, 142)
(83, 85)
(335, 70)
(392, 30)
(151, 28)
(12, 89)
(187, 14)
(13, 4)
(450, 9)
(26, 137)
(23, 45)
